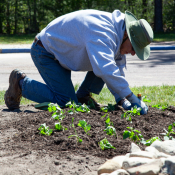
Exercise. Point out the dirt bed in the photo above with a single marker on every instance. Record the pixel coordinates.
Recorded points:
(24, 151)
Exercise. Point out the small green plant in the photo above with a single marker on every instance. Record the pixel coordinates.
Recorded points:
(110, 130)
(110, 107)
(104, 144)
(59, 127)
(77, 108)
(44, 130)
(145, 99)
(133, 112)
(149, 141)
(158, 106)
(83, 124)
(73, 126)
(167, 134)
(58, 113)
(134, 135)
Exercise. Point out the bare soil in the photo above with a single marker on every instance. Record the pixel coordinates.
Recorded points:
(24, 151)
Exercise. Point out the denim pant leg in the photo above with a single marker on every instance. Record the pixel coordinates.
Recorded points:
(91, 83)
(58, 88)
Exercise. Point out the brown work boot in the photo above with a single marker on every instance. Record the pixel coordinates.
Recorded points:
(13, 95)
(90, 101)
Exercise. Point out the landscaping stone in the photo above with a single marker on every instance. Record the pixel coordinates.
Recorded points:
(152, 168)
(167, 146)
(156, 152)
(134, 148)
(119, 172)
(170, 165)
(111, 165)
(135, 161)
(144, 154)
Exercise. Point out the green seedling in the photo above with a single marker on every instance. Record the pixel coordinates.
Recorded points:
(73, 126)
(44, 130)
(110, 130)
(167, 134)
(104, 144)
(134, 135)
(58, 113)
(59, 127)
(150, 141)
(108, 122)
(83, 124)
(145, 99)
(158, 106)
(133, 112)
(110, 107)
(77, 108)
(104, 109)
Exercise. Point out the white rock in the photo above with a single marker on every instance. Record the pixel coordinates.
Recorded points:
(144, 154)
(147, 169)
(134, 148)
(135, 161)
(111, 165)
(167, 146)
(119, 160)
(156, 152)
(170, 165)
(119, 172)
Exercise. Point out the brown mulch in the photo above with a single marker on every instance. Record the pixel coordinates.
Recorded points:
(26, 138)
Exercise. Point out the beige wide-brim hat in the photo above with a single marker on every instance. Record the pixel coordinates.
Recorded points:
(140, 34)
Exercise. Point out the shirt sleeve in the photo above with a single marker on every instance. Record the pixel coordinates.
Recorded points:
(101, 56)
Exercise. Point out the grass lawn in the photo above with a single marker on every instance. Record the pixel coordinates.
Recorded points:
(28, 38)
(163, 95)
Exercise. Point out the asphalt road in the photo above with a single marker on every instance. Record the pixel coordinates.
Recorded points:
(159, 69)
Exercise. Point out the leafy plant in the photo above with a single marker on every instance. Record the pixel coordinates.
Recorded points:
(134, 135)
(149, 141)
(145, 99)
(108, 122)
(59, 127)
(133, 112)
(167, 134)
(110, 107)
(78, 138)
(158, 106)
(77, 108)
(58, 113)
(44, 130)
(104, 144)
(84, 125)
(110, 130)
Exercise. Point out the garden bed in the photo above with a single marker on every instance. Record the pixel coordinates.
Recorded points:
(24, 151)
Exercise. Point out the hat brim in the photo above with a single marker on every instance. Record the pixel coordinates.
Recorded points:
(142, 53)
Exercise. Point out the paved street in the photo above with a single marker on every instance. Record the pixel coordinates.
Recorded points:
(159, 69)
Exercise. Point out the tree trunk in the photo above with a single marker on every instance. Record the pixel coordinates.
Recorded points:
(16, 16)
(158, 24)
(2, 15)
(8, 18)
(144, 8)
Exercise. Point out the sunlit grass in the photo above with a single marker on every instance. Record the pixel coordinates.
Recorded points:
(17, 39)
(162, 95)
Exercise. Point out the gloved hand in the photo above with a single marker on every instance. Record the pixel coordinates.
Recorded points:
(135, 101)
(126, 105)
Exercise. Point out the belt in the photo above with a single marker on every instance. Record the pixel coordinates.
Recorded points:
(38, 42)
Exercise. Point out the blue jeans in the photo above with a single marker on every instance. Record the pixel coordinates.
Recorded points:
(58, 87)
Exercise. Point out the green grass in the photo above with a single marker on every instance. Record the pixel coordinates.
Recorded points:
(162, 95)
(161, 37)
(28, 38)
(17, 39)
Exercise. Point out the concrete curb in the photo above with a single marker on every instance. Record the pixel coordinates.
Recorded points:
(27, 50)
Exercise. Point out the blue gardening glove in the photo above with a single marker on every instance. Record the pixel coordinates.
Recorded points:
(135, 101)
(126, 105)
